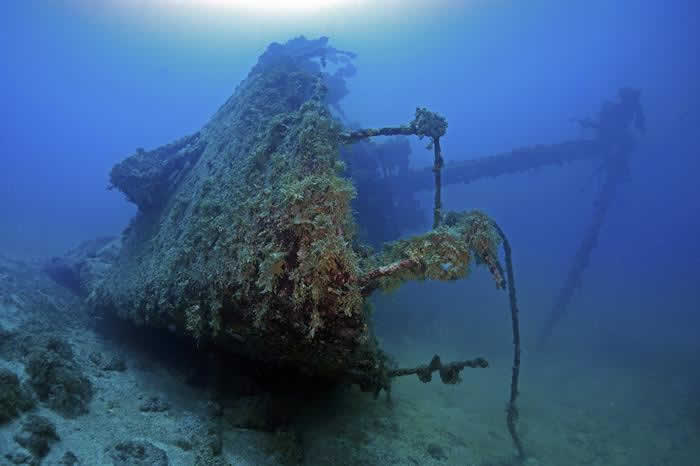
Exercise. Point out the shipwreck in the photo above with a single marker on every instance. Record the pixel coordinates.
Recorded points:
(245, 237)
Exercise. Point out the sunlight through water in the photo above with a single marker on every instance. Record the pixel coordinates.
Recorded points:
(267, 7)
(272, 6)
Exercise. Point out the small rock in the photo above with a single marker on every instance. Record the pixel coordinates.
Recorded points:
(14, 397)
(436, 452)
(215, 442)
(69, 459)
(116, 364)
(136, 453)
(250, 412)
(19, 456)
(214, 409)
(96, 358)
(154, 405)
(183, 444)
(58, 380)
(37, 435)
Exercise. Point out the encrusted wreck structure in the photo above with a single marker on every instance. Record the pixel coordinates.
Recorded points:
(245, 238)
(610, 144)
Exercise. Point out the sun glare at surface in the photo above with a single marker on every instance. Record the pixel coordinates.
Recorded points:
(251, 6)
(273, 13)
(275, 5)
(265, 20)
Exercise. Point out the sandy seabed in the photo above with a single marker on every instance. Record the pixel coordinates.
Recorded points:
(574, 410)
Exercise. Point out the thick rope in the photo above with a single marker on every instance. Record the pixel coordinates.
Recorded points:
(512, 409)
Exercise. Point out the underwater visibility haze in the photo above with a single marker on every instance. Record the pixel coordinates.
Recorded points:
(336, 232)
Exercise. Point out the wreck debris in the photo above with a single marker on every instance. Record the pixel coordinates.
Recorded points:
(613, 178)
(426, 123)
(445, 254)
(613, 132)
(384, 206)
(610, 148)
(80, 269)
(449, 373)
(517, 161)
(146, 178)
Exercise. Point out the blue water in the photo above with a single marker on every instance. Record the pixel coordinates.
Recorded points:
(85, 83)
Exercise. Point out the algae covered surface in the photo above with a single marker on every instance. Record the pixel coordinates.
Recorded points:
(245, 235)
(251, 244)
